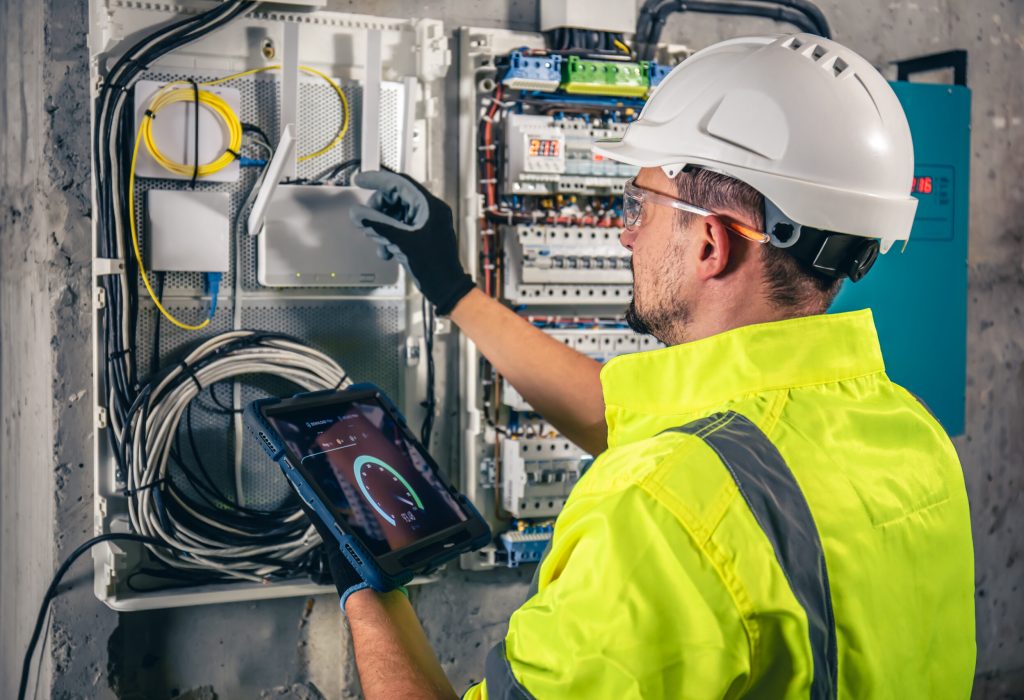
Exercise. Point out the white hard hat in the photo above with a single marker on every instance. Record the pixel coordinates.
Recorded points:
(805, 121)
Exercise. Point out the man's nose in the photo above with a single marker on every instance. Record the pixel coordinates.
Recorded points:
(627, 237)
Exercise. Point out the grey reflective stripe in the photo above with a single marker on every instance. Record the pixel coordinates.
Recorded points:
(779, 507)
(501, 683)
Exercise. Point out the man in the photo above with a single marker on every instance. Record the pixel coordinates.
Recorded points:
(769, 516)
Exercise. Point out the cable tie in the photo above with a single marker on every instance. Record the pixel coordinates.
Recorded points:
(236, 155)
(119, 354)
(145, 487)
(187, 369)
(341, 381)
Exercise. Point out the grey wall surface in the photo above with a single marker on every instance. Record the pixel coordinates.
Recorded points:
(300, 648)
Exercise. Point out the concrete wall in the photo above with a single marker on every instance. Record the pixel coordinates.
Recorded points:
(299, 648)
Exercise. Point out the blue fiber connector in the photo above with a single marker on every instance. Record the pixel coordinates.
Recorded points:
(213, 289)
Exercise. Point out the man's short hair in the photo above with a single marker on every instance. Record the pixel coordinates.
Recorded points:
(790, 284)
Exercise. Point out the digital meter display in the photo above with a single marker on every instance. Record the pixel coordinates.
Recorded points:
(922, 185)
(544, 148)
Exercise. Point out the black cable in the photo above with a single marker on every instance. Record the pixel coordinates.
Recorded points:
(334, 171)
(154, 360)
(252, 128)
(430, 404)
(51, 592)
(812, 11)
(777, 12)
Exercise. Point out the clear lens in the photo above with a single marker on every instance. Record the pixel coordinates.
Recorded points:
(632, 206)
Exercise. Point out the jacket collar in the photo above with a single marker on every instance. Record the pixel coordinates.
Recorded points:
(647, 392)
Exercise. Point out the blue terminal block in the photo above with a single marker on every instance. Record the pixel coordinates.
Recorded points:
(656, 73)
(525, 546)
(919, 297)
(541, 73)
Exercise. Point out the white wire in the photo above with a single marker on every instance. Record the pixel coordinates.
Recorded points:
(308, 368)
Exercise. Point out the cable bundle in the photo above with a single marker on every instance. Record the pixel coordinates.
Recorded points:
(215, 536)
(802, 14)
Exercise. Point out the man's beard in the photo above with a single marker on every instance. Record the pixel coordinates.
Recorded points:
(664, 323)
(637, 322)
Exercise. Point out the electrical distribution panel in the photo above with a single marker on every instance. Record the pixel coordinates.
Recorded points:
(251, 235)
(546, 230)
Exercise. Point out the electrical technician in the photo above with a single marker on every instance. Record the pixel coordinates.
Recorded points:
(769, 515)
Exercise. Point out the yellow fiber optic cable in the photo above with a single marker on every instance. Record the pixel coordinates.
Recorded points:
(216, 104)
(622, 47)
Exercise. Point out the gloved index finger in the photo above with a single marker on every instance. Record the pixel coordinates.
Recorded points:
(379, 180)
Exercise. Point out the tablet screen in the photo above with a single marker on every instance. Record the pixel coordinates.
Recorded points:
(367, 472)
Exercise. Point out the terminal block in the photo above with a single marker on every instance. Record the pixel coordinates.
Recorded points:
(541, 73)
(525, 546)
(656, 73)
(615, 78)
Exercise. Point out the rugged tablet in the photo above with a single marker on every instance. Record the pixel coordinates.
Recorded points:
(352, 458)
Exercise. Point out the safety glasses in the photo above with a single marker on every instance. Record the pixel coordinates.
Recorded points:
(634, 197)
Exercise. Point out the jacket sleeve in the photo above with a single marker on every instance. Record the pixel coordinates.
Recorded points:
(629, 605)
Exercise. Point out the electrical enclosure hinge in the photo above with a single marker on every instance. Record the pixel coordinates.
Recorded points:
(101, 417)
(101, 298)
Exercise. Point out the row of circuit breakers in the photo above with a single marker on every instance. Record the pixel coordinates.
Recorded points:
(552, 227)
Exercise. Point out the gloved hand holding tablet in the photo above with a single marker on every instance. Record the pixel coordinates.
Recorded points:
(376, 492)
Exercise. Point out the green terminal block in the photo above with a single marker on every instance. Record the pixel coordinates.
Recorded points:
(605, 78)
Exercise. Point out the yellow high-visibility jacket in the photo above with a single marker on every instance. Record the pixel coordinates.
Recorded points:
(773, 518)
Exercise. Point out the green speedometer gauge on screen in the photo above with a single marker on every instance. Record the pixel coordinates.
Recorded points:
(385, 489)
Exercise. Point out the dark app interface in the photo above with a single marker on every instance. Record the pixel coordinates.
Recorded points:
(369, 473)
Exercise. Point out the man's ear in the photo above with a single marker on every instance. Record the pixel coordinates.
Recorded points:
(714, 246)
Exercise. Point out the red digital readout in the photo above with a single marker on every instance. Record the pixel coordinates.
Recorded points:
(922, 185)
(545, 148)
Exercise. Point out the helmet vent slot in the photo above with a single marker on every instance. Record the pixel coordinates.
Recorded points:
(793, 43)
(819, 52)
(838, 66)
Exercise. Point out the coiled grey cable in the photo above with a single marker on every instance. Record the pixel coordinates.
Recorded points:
(149, 436)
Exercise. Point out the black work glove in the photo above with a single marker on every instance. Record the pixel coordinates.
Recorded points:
(339, 571)
(417, 228)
